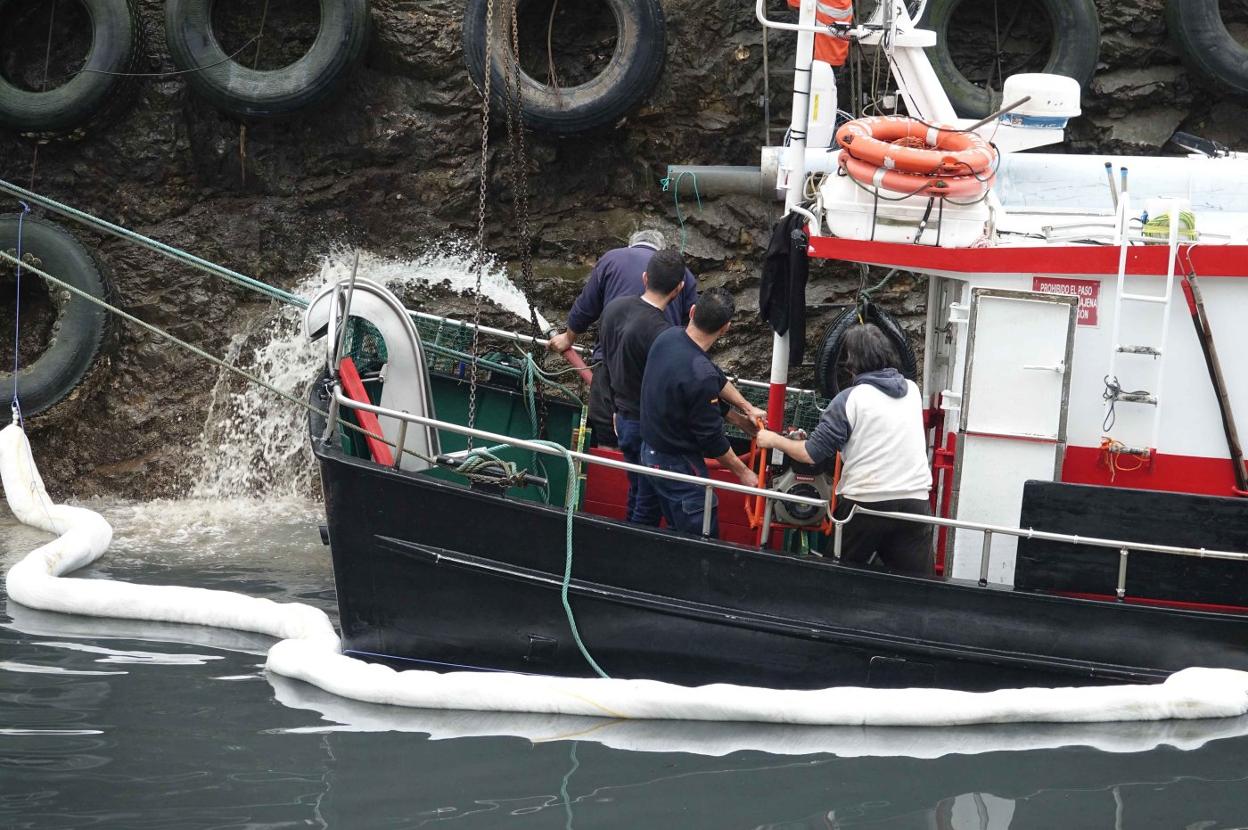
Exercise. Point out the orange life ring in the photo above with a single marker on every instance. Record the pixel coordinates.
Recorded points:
(914, 184)
(896, 142)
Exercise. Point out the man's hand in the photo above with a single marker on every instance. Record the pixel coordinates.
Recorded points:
(747, 477)
(561, 342)
(756, 414)
(766, 439)
(742, 422)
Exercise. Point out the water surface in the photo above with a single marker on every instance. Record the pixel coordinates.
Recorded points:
(107, 723)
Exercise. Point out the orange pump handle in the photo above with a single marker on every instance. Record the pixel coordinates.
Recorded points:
(755, 506)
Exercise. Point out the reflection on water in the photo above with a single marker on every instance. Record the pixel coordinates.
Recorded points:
(108, 723)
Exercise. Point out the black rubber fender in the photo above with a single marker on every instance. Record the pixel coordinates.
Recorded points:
(1207, 47)
(602, 101)
(258, 93)
(88, 98)
(1074, 53)
(830, 374)
(80, 326)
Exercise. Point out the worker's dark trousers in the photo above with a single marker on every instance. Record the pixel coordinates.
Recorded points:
(904, 547)
(601, 410)
(683, 504)
(643, 501)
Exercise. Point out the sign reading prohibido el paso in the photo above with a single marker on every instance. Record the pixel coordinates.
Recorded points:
(1088, 292)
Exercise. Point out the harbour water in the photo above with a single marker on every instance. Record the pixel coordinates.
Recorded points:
(114, 724)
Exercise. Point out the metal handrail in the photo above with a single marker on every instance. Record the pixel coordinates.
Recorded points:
(1123, 547)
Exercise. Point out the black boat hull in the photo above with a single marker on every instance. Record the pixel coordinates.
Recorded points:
(432, 573)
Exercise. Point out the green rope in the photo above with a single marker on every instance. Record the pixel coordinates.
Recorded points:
(570, 502)
(674, 186)
(198, 352)
(160, 247)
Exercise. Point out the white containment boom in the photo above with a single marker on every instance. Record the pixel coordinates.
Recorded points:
(308, 650)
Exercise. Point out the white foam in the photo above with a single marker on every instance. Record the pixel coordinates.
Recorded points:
(309, 651)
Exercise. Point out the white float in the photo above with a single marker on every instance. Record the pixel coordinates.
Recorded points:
(308, 650)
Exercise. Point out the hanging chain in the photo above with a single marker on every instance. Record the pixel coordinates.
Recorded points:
(519, 176)
(484, 180)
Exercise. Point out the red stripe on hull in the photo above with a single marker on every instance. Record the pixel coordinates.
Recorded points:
(1174, 473)
(1208, 260)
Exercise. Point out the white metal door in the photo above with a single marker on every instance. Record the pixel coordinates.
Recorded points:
(1013, 419)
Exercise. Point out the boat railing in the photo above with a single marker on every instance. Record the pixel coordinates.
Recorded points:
(710, 485)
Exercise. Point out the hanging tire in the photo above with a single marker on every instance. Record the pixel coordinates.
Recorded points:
(627, 80)
(831, 375)
(1073, 53)
(91, 96)
(258, 93)
(78, 330)
(1207, 47)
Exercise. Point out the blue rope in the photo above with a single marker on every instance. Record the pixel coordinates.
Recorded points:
(16, 405)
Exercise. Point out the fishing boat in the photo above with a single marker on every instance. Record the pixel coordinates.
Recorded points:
(1090, 519)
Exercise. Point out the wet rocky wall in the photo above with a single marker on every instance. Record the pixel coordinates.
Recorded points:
(390, 165)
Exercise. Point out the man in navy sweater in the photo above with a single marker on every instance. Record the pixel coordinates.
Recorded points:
(617, 274)
(684, 399)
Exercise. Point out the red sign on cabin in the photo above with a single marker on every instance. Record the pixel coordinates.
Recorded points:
(1088, 292)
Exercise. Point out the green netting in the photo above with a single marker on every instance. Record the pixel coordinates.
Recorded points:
(440, 337)
(801, 409)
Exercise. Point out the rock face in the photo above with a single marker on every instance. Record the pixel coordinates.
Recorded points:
(390, 165)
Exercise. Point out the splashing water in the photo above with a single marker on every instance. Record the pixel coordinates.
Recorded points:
(254, 446)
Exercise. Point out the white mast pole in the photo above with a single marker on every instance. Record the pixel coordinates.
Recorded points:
(794, 184)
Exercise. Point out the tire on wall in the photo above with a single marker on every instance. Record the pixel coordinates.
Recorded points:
(1207, 46)
(628, 79)
(80, 324)
(91, 96)
(258, 93)
(830, 374)
(1074, 52)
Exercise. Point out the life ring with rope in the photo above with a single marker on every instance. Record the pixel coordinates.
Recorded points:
(75, 327)
(603, 100)
(96, 92)
(896, 142)
(914, 184)
(246, 92)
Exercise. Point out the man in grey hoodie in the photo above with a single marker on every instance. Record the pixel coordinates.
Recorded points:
(877, 426)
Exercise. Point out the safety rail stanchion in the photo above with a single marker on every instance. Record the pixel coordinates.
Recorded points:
(402, 442)
(838, 529)
(985, 555)
(708, 505)
(1122, 573)
(331, 419)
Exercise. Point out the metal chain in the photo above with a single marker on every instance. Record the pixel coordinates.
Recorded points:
(514, 76)
(484, 180)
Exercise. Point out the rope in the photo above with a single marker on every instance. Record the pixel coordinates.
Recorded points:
(16, 405)
(160, 247)
(198, 352)
(1113, 392)
(175, 72)
(675, 186)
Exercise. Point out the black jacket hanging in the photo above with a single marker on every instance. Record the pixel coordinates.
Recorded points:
(782, 293)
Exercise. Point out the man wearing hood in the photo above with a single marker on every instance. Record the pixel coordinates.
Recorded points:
(877, 426)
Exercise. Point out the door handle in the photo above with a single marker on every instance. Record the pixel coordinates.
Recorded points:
(1059, 367)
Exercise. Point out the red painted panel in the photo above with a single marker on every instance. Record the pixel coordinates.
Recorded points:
(1208, 260)
(354, 388)
(1176, 473)
(1162, 603)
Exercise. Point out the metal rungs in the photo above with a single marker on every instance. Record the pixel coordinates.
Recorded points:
(1146, 298)
(1151, 351)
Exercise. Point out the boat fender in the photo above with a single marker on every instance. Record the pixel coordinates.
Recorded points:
(79, 329)
(603, 100)
(256, 93)
(1209, 50)
(97, 92)
(1073, 51)
(830, 375)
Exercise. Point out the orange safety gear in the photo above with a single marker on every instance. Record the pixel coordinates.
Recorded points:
(829, 49)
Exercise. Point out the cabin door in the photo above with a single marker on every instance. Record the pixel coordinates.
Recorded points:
(1015, 390)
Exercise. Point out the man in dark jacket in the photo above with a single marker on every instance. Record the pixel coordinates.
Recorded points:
(684, 399)
(617, 274)
(877, 426)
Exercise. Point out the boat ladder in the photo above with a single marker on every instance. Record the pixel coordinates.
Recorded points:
(1124, 358)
